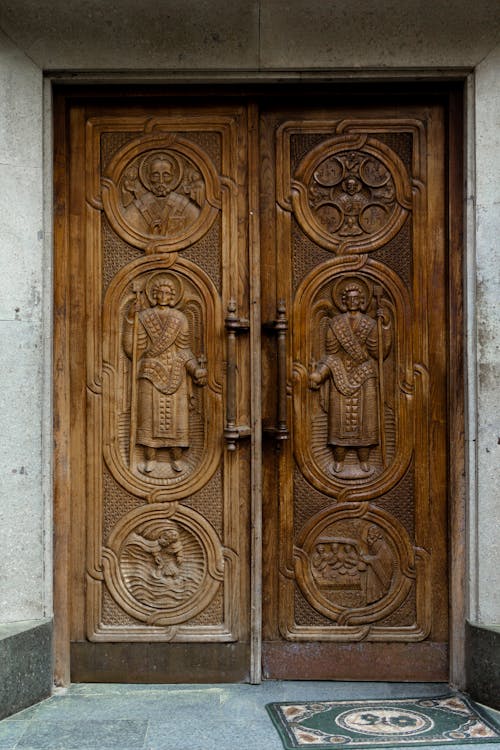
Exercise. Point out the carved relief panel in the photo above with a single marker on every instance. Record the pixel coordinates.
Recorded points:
(165, 529)
(356, 551)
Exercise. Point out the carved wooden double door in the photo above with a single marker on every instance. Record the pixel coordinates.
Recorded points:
(258, 391)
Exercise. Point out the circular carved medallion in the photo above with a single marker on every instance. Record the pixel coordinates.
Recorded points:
(163, 568)
(354, 563)
(351, 194)
(161, 192)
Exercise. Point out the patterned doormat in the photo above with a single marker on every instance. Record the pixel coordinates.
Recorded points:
(410, 722)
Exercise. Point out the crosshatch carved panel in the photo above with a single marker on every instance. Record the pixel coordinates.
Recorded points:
(163, 560)
(350, 227)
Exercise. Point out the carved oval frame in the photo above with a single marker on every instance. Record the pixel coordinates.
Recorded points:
(212, 392)
(166, 142)
(405, 570)
(303, 398)
(327, 149)
(196, 525)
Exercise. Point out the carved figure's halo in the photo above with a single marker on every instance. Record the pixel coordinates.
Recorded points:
(351, 281)
(145, 166)
(163, 277)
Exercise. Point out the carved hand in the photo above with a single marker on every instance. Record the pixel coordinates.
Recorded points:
(200, 376)
(314, 380)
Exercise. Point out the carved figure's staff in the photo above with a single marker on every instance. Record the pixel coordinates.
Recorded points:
(378, 292)
(133, 377)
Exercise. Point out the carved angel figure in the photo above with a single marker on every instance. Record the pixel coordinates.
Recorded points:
(156, 339)
(155, 207)
(355, 345)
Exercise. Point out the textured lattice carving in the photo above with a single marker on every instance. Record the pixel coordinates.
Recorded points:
(301, 144)
(405, 615)
(307, 501)
(397, 254)
(213, 614)
(117, 501)
(208, 501)
(305, 615)
(111, 143)
(112, 614)
(306, 255)
(400, 501)
(209, 142)
(401, 144)
(116, 254)
(206, 253)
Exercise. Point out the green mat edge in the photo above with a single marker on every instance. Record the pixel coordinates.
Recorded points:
(285, 734)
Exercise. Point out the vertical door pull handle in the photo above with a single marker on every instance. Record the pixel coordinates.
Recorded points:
(234, 326)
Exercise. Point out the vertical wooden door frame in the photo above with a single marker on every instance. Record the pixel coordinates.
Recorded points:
(452, 95)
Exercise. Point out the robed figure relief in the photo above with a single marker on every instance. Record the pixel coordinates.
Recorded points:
(152, 203)
(355, 346)
(156, 338)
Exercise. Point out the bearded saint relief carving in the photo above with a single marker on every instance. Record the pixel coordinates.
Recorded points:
(355, 345)
(161, 194)
(157, 338)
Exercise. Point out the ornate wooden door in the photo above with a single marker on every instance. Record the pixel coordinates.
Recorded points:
(159, 261)
(167, 479)
(353, 206)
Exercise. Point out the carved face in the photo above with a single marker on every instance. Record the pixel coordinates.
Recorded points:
(161, 174)
(164, 294)
(353, 299)
(352, 186)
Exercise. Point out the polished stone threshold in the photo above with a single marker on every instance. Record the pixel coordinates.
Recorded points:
(180, 717)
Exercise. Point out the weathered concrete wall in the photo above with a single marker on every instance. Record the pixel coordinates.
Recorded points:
(250, 34)
(23, 563)
(485, 516)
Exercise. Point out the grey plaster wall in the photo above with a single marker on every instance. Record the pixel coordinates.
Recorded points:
(485, 513)
(23, 581)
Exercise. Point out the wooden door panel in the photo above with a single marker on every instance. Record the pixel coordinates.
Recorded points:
(158, 257)
(357, 206)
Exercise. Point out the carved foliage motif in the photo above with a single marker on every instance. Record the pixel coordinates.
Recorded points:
(353, 373)
(163, 568)
(354, 564)
(351, 194)
(162, 380)
(161, 192)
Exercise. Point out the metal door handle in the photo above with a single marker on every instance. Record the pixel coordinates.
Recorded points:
(234, 326)
(279, 327)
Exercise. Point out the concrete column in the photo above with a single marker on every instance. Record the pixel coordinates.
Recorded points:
(25, 568)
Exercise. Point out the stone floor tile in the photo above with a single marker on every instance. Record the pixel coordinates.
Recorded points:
(10, 732)
(177, 735)
(83, 735)
(137, 706)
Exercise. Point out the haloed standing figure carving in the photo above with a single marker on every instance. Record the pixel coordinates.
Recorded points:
(355, 346)
(157, 339)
